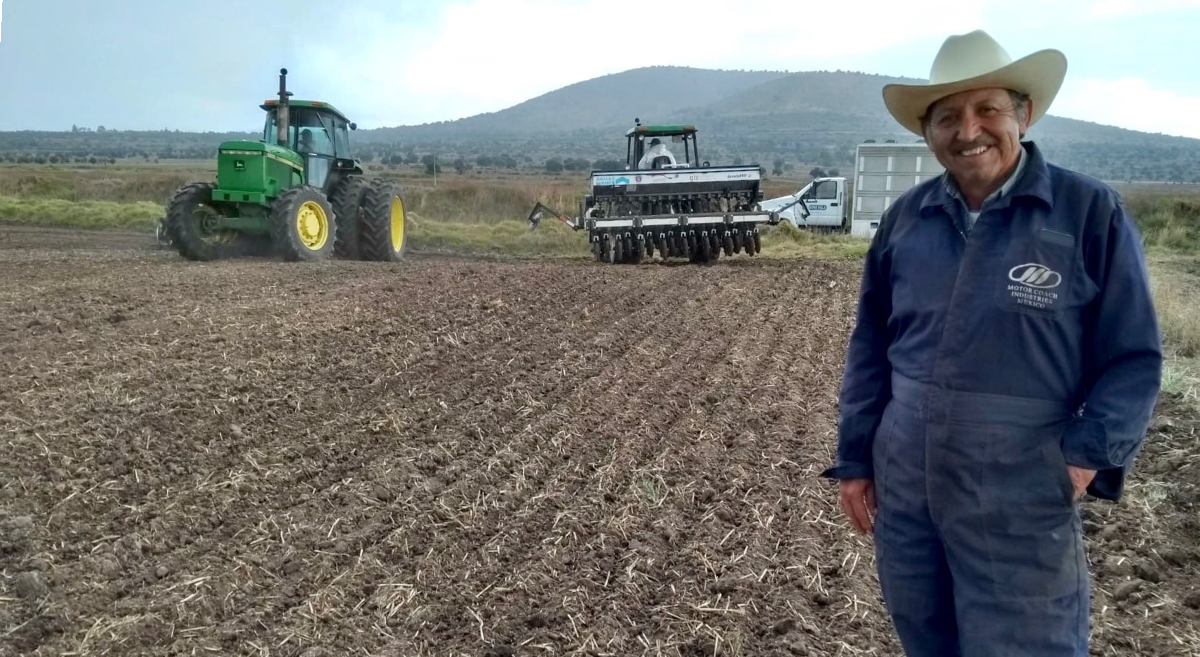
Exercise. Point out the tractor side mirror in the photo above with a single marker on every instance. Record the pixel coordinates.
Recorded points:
(353, 126)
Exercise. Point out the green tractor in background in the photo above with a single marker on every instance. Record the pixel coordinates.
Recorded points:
(297, 193)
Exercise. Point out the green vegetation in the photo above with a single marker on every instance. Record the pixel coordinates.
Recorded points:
(1176, 281)
(787, 241)
(121, 184)
(81, 214)
(499, 238)
(475, 213)
(1170, 223)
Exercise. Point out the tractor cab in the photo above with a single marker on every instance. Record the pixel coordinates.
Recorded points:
(319, 133)
(661, 147)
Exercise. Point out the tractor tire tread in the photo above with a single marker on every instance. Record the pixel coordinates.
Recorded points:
(346, 198)
(184, 236)
(375, 229)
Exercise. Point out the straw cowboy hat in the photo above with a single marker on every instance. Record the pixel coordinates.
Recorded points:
(975, 61)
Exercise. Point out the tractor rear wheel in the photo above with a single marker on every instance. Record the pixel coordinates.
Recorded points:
(303, 227)
(346, 198)
(192, 225)
(383, 227)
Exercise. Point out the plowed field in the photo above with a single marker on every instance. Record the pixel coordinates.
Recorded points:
(449, 456)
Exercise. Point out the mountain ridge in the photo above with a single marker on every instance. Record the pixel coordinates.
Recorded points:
(787, 118)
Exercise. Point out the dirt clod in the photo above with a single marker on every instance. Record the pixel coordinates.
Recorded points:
(1192, 600)
(31, 585)
(724, 586)
(1126, 589)
(1148, 571)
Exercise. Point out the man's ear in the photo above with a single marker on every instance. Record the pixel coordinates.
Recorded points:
(1028, 117)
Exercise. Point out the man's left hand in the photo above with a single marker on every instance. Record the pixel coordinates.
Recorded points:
(1080, 477)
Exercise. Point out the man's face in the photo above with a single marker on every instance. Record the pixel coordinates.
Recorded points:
(976, 135)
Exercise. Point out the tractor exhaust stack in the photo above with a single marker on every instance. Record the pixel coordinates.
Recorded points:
(282, 114)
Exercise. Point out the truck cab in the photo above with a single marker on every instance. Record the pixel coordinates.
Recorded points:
(821, 203)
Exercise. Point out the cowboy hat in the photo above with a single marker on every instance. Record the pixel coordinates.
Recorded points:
(976, 61)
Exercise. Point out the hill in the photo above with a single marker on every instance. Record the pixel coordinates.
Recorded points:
(794, 119)
(601, 102)
(812, 117)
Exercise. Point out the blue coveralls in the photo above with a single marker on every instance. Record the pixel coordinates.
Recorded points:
(983, 363)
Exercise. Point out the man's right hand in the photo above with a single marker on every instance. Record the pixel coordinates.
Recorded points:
(858, 501)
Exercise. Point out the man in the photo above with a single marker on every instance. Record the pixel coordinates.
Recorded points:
(656, 156)
(1006, 359)
(305, 144)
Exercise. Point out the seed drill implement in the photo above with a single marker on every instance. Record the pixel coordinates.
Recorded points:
(675, 207)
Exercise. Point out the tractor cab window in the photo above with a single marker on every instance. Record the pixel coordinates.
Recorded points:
(665, 152)
(309, 134)
(341, 138)
(306, 133)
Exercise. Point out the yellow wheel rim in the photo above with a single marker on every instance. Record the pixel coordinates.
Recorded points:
(312, 224)
(397, 223)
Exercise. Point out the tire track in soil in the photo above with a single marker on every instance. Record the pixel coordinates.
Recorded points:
(641, 575)
(368, 541)
(628, 451)
(477, 532)
(776, 575)
(644, 604)
(252, 502)
(622, 363)
(335, 469)
(766, 563)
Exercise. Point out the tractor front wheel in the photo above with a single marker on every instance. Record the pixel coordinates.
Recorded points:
(302, 225)
(193, 226)
(383, 226)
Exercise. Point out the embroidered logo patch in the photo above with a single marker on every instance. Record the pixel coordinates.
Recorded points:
(1033, 284)
(1035, 275)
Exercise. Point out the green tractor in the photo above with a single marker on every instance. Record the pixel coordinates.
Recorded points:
(297, 192)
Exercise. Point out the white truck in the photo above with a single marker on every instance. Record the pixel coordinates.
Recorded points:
(820, 205)
(882, 171)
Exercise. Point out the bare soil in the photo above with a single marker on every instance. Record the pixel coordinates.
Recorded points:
(448, 456)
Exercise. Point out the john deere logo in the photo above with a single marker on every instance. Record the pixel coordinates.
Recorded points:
(239, 165)
(1035, 275)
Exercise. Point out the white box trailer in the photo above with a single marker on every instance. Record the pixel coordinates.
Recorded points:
(882, 172)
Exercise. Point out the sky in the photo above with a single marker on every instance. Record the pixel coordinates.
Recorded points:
(207, 66)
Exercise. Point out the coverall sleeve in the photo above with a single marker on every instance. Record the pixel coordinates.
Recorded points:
(867, 379)
(1122, 357)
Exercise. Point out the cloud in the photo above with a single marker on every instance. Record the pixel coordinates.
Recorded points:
(1114, 8)
(485, 55)
(1130, 103)
(473, 56)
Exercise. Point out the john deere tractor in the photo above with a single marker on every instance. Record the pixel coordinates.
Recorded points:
(297, 192)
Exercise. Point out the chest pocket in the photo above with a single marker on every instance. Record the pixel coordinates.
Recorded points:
(1043, 277)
